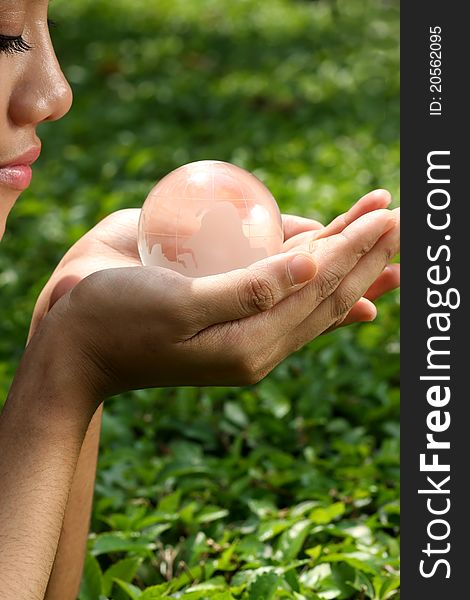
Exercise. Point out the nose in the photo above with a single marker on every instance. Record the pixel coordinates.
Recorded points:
(41, 91)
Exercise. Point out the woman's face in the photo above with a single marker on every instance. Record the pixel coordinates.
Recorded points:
(33, 89)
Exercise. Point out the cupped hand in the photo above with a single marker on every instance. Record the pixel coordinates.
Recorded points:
(145, 327)
(113, 243)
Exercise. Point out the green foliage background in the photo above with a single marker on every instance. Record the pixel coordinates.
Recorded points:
(287, 489)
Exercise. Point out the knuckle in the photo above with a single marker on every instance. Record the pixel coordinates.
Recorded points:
(389, 253)
(327, 283)
(255, 374)
(363, 247)
(244, 370)
(366, 247)
(252, 376)
(259, 294)
(359, 247)
(342, 304)
(336, 323)
(249, 365)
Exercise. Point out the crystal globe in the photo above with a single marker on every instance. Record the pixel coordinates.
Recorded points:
(209, 217)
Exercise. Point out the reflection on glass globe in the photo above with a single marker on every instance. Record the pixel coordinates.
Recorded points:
(209, 217)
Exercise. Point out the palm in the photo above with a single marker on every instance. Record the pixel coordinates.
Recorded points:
(110, 244)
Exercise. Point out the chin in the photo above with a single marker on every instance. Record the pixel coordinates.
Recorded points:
(7, 201)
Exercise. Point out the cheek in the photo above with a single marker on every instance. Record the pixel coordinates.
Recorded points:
(5, 95)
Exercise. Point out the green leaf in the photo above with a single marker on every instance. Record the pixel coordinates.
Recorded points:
(92, 581)
(270, 529)
(188, 576)
(323, 516)
(124, 570)
(215, 584)
(264, 587)
(343, 575)
(386, 588)
(352, 560)
(313, 578)
(274, 399)
(292, 540)
(133, 592)
(155, 592)
(170, 503)
(224, 562)
(292, 578)
(234, 413)
(223, 596)
(117, 541)
(163, 519)
(314, 552)
(211, 513)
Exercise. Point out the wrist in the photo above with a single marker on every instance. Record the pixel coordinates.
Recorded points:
(53, 388)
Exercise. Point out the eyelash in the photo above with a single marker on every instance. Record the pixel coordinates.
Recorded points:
(10, 44)
(13, 44)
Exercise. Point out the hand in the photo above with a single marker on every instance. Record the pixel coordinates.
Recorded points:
(112, 243)
(141, 327)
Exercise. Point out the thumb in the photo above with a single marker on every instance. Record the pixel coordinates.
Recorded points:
(257, 288)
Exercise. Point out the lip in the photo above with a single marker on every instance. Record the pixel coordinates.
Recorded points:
(18, 173)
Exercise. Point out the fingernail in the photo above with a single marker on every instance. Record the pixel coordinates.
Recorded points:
(301, 268)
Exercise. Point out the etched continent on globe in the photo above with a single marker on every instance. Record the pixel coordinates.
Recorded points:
(209, 217)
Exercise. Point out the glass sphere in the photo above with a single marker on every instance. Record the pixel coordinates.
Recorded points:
(209, 217)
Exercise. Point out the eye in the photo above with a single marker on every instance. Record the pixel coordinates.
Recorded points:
(10, 44)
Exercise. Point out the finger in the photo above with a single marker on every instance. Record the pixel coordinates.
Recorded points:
(338, 255)
(335, 308)
(276, 333)
(293, 225)
(245, 292)
(301, 241)
(388, 280)
(335, 257)
(329, 313)
(372, 201)
(364, 310)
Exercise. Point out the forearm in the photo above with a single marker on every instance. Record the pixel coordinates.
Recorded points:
(65, 578)
(42, 428)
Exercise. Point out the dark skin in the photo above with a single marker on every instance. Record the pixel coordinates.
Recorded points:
(103, 322)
